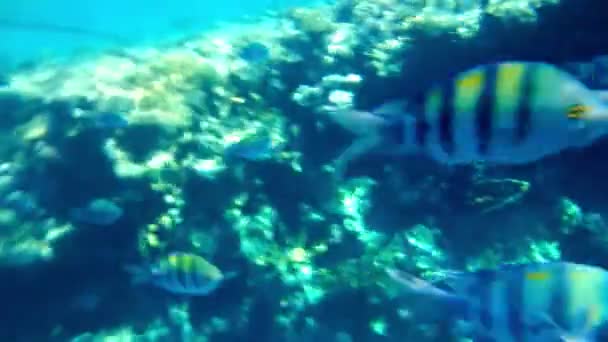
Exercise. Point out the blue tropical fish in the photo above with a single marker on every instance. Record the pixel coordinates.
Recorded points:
(557, 301)
(504, 113)
(181, 273)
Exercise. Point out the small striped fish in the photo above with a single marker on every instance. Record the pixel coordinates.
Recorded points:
(506, 113)
(557, 301)
(181, 273)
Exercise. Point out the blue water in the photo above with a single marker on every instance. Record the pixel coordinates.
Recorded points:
(111, 23)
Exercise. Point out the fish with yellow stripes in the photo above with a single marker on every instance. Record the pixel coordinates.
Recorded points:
(557, 301)
(181, 273)
(504, 113)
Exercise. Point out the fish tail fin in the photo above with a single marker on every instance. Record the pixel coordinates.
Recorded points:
(414, 284)
(139, 274)
(427, 299)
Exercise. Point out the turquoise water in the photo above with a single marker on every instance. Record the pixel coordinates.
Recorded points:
(32, 29)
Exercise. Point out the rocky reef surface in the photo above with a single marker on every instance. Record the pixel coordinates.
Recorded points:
(310, 252)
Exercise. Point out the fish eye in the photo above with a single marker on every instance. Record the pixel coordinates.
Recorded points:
(577, 111)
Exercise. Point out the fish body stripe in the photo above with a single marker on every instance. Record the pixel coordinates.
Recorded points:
(485, 305)
(174, 272)
(174, 280)
(181, 273)
(485, 109)
(559, 293)
(446, 118)
(396, 131)
(523, 115)
(189, 268)
(481, 291)
(514, 307)
(422, 130)
(186, 273)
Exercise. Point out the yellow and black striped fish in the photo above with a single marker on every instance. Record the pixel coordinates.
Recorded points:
(511, 112)
(181, 273)
(557, 301)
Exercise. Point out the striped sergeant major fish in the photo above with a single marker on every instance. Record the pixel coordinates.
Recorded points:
(181, 273)
(552, 302)
(505, 113)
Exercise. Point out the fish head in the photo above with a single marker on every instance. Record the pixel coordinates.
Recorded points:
(587, 115)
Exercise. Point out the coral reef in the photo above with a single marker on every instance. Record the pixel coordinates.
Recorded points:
(305, 247)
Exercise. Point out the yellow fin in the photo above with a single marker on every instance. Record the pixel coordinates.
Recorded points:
(472, 79)
(538, 276)
(577, 111)
(172, 259)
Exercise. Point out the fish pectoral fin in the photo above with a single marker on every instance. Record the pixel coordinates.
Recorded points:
(359, 147)
(583, 331)
(584, 327)
(540, 319)
(426, 300)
